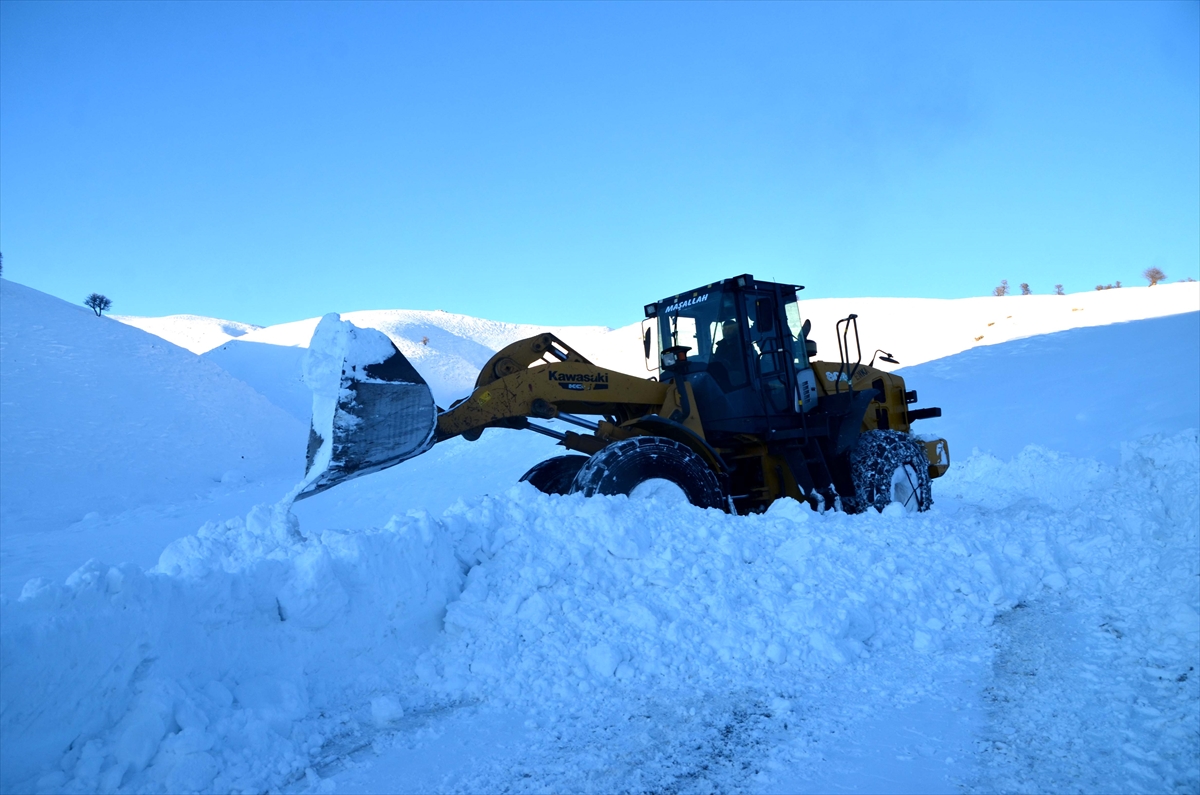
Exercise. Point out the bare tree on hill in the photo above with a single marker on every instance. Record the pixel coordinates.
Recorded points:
(1002, 289)
(1154, 276)
(1058, 289)
(1025, 289)
(97, 303)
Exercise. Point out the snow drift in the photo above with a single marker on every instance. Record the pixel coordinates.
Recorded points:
(253, 651)
(199, 675)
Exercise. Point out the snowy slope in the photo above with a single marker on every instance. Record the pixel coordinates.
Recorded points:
(434, 628)
(192, 332)
(1082, 392)
(918, 330)
(449, 350)
(451, 347)
(274, 371)
(99, 418)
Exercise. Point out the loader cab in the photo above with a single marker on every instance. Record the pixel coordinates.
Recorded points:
(740, 345)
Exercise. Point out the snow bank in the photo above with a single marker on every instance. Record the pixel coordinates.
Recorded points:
(212, 671)
(251, 653)
(564, 595)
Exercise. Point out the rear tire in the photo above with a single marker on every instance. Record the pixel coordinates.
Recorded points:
(623, 466)
(886, 467)
(555, 475)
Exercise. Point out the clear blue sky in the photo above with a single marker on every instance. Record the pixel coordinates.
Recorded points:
(569, 162)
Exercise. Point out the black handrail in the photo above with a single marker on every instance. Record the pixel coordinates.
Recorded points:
(844, 351)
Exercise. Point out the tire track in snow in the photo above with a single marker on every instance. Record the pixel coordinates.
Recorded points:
(1069, 713)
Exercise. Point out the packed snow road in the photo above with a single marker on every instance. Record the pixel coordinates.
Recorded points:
(523, 642)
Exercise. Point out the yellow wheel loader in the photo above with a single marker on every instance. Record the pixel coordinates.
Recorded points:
(736, 413)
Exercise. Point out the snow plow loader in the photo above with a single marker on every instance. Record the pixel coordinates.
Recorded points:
(736, 413)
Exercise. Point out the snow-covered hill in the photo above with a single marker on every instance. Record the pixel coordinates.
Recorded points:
(193, 332)
(918, 330)
(433, 627)
(99, 419)
(449, 349)
(1084, 391)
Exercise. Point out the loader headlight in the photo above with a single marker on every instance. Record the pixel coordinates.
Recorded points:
(669, 359)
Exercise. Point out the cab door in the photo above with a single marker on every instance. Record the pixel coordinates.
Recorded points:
(770, 354)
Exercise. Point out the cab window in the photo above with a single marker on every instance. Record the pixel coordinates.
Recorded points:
(708, 325)
(796, 329)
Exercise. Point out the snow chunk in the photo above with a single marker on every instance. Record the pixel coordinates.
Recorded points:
(385, 710)
(603, 660)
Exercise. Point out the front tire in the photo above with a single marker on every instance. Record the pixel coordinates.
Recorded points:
(887, 467)
(623, 466)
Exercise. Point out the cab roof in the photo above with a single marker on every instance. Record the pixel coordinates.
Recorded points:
(743, 282)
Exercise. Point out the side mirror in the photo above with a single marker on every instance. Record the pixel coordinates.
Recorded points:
(887, 357)
(807, 327)
(646, 343)
(810, 348)
(764, 315)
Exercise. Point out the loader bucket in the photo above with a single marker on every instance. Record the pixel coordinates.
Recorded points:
(371, 408)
